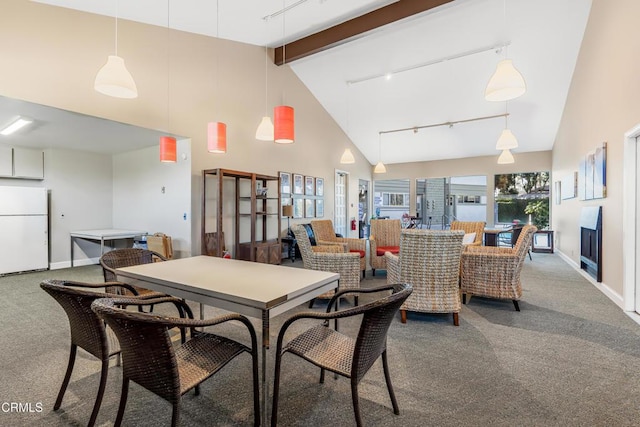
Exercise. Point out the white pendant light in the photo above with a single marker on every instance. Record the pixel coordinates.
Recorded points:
(113, 79)
(507, 139)
(347, 157)
(380, 168)
(506, 83)
(506, 158)
(265, 128)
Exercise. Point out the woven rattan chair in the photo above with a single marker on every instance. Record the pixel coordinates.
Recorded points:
(384, 237)
(429, 260)
(471, 227)
(329, 349)
(128, 257)
(151, 360)
(329, 258)
(494, 272)
(324, 232)
(87, 330)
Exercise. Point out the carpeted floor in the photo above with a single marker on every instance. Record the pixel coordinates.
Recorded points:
(570, 358)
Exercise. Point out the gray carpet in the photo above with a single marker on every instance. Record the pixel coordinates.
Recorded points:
(569, 358)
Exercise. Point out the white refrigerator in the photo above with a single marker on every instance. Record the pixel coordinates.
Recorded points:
(24, 229)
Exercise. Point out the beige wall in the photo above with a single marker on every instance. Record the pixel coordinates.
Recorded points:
(601, 106)
(486, 165)
(54, 54)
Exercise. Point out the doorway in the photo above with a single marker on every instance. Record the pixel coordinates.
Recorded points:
(341, 195)
(631, 222)
(363, 209)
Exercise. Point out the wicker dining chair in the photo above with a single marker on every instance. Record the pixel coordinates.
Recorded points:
(385, 237)
(429, 260)
(324, 232)
(494, 272)
(150, 359)
(87, 330)
(329, 258)
(127, 257)
(471, 227)
(330, 350)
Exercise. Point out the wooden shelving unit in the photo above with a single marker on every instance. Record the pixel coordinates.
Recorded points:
(257, 214)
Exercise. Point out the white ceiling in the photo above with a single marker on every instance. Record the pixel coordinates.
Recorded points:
(544, 38)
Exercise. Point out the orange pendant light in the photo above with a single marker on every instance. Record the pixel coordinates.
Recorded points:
(283, 127)
(168, 151)
(217, 137)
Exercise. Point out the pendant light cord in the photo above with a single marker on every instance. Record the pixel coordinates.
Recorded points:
(284, 45)
(116, 48)
(266, 78)
(168, 62)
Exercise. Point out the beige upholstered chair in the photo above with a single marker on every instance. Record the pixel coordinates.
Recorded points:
(384, 237)
(494, 272)
(329, 258)
(324, 232)
(429, 260)
(471, 227)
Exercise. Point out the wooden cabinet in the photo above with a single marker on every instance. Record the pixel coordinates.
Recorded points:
(243, 205)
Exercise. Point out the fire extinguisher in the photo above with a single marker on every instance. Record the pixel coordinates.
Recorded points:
(353, 224)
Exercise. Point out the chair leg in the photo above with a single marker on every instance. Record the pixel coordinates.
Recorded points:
(67, 376)
(311, 303)
(103, 383)
(387, 377)
(276, 391)
(364, 272)
(516, 305)
(256, 389)
(123, 401)
(321, 376)
(175, 415)
(355, 300)
(373, 272)
(529, 251)
(356, 402)
(403, 316)
(456, 321)
(464, 298)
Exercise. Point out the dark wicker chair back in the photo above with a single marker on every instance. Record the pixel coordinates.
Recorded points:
(88, 331)
(372, 337)
(119, 258)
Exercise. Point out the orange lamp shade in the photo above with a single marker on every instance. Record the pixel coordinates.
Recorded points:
(217, 137)
(168, 152)
(283, 127)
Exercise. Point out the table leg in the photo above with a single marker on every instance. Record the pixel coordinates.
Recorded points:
(265, 385)
(71, 251)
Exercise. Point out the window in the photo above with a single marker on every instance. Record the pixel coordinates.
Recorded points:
(395, 199)
(522, 198)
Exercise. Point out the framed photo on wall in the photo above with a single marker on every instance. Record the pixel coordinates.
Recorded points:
(309, 208)
(285, 183)
(297, 184)
(309, 187)
(319, 186)
(319, 208)
(297, 208)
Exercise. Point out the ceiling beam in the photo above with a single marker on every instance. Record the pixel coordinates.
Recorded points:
(349, 30)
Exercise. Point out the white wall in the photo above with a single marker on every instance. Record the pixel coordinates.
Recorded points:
(139, 201)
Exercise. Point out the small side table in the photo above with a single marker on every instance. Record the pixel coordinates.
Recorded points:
(542, 241)
(291, 247)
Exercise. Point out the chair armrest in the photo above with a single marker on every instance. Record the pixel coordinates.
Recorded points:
(393, 267)
(103, 285)
(333, 248)
(354, 244)
(341, 245)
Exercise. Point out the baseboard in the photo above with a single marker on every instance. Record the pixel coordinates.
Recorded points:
(76, 263)
(602, 287)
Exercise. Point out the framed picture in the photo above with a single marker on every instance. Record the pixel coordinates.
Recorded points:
(285, 201)
(309, 208)
(319, 186)
(309, 187)
(285, 183)
(319, 208)
(297, 208)
(569, 186)
(297, 184)
(600, 172)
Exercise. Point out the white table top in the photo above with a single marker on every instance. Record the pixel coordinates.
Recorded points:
(107, 233)
(252, 284)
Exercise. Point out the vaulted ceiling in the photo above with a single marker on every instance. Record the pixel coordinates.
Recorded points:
(429, 68)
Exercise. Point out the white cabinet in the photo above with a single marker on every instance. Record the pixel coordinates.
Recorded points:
(28, 163)
(6, 161)
(25, 163)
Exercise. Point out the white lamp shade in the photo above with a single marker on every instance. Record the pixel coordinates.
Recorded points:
(113, 79)
(380, 168)
(506, 83)
(506, 158)
(506, 141)
(347, 157)
(265, 130)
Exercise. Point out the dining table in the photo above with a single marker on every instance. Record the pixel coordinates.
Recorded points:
(257, 290)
